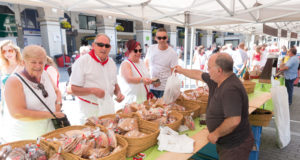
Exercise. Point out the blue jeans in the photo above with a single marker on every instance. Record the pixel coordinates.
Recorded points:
(289, 84)
(157, 93)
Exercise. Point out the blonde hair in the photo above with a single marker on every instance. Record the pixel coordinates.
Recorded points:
(50, 62)
(9, 43)
(34, 51)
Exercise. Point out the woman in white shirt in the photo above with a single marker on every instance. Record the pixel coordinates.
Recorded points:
(134, 77)
(27, 117)
(11, 60)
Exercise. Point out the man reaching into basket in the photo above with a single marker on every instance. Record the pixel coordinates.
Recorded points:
(94, 81)
(227, 109)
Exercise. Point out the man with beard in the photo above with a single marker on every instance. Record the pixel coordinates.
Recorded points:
(94, 81)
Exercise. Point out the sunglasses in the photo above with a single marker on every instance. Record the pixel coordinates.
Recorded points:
(5, 51)
(162, 38)
(44, 92)
(138, 50)
(102, 45)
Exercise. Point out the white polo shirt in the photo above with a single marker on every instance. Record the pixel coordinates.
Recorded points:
(88, 73)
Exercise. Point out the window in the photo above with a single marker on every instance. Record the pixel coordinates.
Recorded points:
(127, 25)
(230, 33)
(8, 27)
(87, 22)
(29, 19)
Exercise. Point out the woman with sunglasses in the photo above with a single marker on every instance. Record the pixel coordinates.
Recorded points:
(10, 62)
(26, 116)
(134, 76)
(10, 59)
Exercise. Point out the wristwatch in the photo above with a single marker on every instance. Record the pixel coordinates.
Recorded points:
(58, 103)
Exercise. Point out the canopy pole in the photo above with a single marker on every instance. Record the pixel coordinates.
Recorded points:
(191, 52)
(186, 31)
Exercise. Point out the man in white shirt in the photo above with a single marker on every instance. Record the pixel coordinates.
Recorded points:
(229, 49)
(94, 81)
(160, 59)
(240, 60)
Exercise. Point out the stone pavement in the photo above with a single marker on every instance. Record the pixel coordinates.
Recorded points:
(268, 148)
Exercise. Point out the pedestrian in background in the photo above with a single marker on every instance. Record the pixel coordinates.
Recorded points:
(290, 70)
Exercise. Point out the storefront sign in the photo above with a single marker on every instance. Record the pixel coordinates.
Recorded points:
(283, 33)
(270, 30)
(294, 35)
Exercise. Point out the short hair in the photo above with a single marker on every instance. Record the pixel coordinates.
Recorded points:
(258, 48)
(101, 34)
(14, 47)
(242, 45)
(284, 47)
(293, 51)
(161, 30)
(225, 62)
(34, 51)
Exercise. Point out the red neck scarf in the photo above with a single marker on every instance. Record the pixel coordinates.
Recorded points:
(93, 55)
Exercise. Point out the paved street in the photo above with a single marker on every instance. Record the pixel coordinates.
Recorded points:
(268, 149)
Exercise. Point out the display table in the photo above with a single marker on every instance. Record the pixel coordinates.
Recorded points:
(256, 100)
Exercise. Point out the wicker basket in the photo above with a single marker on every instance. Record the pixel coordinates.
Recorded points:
(44, 147)
(260, 117)
(190, 107)
(202, 100)
(202, 97)
(249, 86)
(203, 106)
(175, 126)
(119, 155)
(18, 143)
(136, 145)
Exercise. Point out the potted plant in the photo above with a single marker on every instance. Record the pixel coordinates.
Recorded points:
(65, 25)
(120, 28)
(154, 31)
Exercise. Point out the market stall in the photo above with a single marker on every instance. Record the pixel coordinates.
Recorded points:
(258, 99)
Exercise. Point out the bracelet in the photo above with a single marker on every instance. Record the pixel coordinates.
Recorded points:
(58, 103)
(141, 81)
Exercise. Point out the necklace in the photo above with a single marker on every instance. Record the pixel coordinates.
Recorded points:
(32, 80)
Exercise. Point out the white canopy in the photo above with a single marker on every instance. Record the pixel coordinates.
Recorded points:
(223, 15)
(198, 13)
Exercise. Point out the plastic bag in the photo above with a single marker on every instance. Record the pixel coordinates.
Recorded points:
(170, 140)
(172, 90)
(282, 115)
